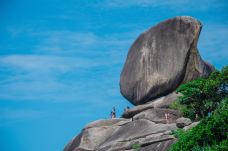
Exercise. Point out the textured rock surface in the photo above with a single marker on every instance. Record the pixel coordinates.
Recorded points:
(191, 126)
(161, 59)
(118, 137)
(157, 115)
(159, 146)
(182, 122)
(162, 102)
(95, 134)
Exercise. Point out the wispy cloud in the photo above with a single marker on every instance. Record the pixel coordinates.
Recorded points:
(14, 114)
(71, 42)
(67, 42)
(142, 3)
(63, 65)
(180, 4)
(45, 63)
(40, 77)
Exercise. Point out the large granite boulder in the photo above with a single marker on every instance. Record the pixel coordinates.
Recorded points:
(161, 59)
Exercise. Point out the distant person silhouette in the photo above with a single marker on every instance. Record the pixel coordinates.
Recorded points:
(196, 117)
(126, 109)
(113, 113)
(209, 112)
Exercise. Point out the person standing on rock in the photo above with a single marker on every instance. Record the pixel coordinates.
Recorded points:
(196, 117)
(166, 116)
(169, 115)
(126, 109)
(113, 113)
(209, 112)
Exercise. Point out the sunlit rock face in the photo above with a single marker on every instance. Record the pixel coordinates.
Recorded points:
(161, 59)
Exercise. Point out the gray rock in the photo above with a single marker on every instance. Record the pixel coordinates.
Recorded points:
(106, 122)
(159, 146)
(191, 126)
(143, 132)
(161, 59)
(106, 137)
(137, 109)
(162, 102)
(182, 122)
(165, 101)
(94, 134)
(157, 115)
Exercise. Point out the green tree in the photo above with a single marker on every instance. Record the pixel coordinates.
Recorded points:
(211, 134)
(204, 93)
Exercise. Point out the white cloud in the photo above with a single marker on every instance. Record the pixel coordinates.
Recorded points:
(143, 3)
(68, 42)
(63, 66)
(39, 63)
(52, 78)
(175, 4)
(13, 114)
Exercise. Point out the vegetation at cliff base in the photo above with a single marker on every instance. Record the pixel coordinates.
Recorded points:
(211, 134)
(203, 94)
(200, 97)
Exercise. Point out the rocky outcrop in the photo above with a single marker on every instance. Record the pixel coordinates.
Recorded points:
(161, 59)
(94, 134)
(157, 115)
(194, 124)
(162, 102)
(122, 135)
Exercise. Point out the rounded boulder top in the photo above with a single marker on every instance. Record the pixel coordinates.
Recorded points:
(161, 59)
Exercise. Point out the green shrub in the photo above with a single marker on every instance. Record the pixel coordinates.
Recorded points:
(178, 133)
(223, 146)
(185, 111)
(203, 94)
(136, 147)
(210, 134)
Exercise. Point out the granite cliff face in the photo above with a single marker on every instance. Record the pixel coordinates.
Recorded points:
(159, 61)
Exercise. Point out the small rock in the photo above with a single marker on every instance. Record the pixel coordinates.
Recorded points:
(191, 126)
(182, 122)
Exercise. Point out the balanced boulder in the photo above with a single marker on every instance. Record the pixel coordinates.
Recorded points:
(161, 59)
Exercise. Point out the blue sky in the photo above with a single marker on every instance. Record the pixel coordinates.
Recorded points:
(60, 61)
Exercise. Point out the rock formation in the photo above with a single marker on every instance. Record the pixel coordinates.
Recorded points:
(159, 61)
